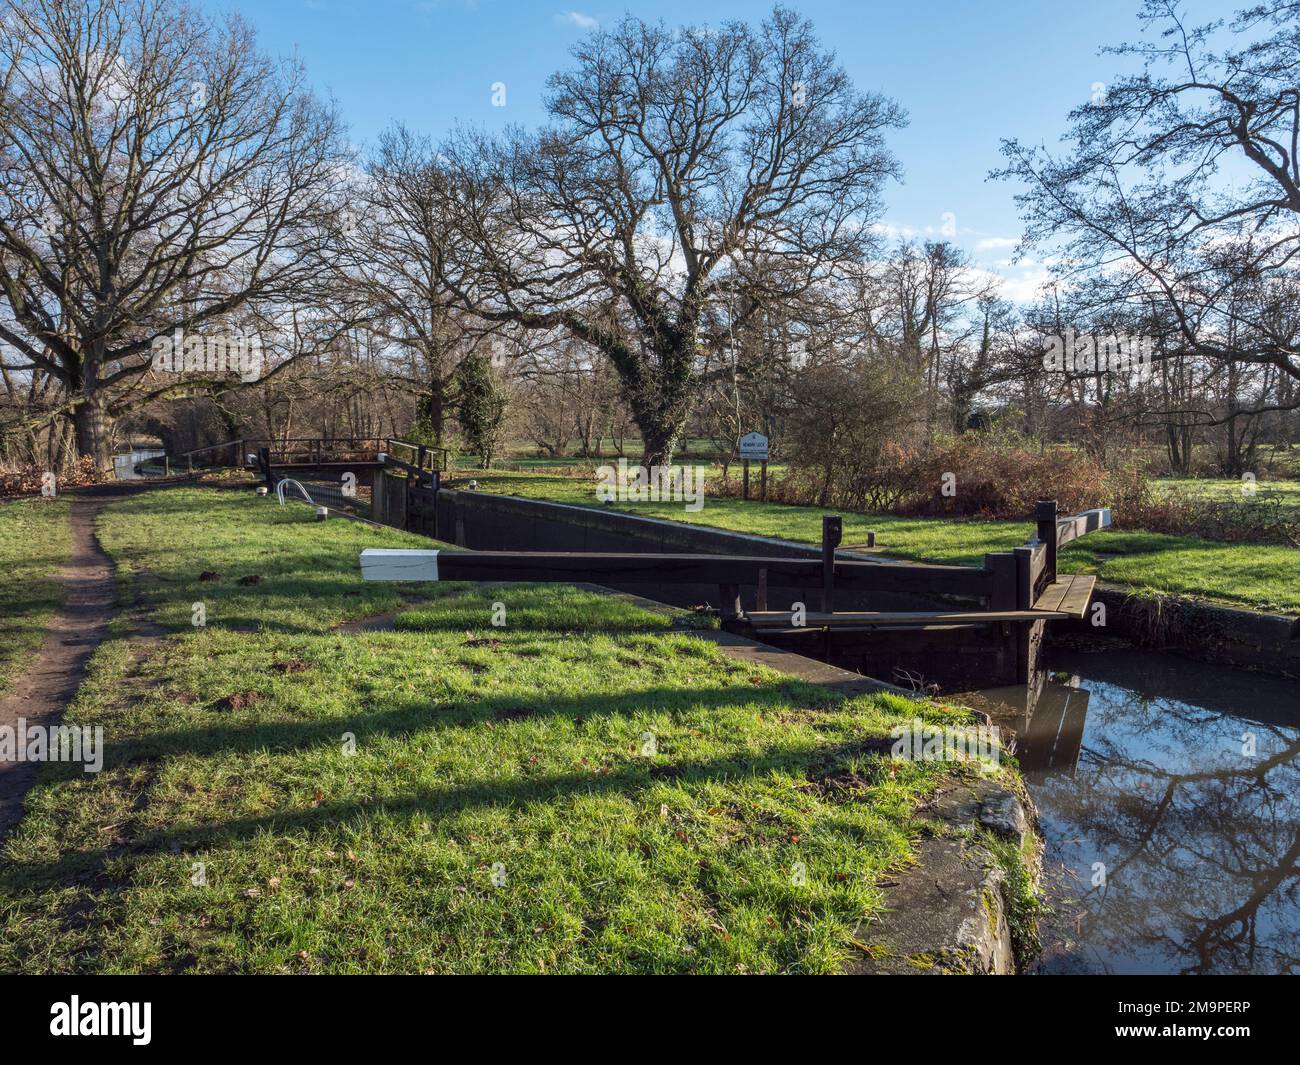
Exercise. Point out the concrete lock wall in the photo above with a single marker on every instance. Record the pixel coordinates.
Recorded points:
(1248, 639)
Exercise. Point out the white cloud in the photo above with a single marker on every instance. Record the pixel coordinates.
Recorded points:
(993, 243)
(890, 231)
(578, 19)
(1020, 284)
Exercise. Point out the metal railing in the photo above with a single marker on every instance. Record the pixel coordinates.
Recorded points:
(322, 494)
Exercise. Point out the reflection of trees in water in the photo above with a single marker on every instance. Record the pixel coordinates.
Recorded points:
(1201, 843)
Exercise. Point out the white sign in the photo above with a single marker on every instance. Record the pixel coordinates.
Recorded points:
(753, 446)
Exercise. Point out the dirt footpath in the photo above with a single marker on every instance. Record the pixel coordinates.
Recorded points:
(54, 675)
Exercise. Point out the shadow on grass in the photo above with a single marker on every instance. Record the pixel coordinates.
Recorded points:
(452, 606)
(629, 778)
(416, 714)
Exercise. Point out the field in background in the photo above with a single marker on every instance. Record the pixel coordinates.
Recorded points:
(1227, 490)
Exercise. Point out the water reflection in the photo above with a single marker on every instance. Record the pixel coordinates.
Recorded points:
(1169, 793)
(137, 464)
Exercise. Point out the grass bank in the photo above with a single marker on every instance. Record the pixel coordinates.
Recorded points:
(582, 790)
(1251, 575)
(35, 542)
(1226, 490)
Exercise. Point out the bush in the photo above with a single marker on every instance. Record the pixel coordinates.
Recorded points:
(840, 432)
(990, 477)
(1004, 477)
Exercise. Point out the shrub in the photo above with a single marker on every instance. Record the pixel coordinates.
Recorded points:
(1004, 477)
(841, 431)
(994, 477)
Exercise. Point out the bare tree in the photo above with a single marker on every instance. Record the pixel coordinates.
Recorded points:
(156, 173)
(927, 307)
(676, 156)
(394, 260)
(1180, 188)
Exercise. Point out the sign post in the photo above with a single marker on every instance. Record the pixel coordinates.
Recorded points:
(754, 446)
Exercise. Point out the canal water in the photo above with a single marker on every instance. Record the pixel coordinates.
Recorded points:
(137, 465)
(1169, 796)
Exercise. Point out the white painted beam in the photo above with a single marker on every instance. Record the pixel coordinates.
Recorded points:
(398, 564)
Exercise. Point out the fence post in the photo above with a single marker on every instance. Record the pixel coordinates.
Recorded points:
(832, 534)
(1045, 515)
(1003, 567)
(1029, 637)
(1024, 577)
(730, 607)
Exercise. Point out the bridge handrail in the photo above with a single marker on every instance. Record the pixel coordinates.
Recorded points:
(422, 455)
(1034, 564)
(315, 446)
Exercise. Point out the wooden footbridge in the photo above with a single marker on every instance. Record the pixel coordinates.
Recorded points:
(318, 466)
(330, 457)
(985, 629)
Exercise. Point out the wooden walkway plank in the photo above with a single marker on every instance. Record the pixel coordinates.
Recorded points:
(817, 620)
(1067, 597)
(1075, 602)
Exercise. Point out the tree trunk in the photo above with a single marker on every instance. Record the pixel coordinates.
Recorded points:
(431, 410)
(661, 409)
(438, 410)
(94, 429)
(658, 442)
(962, 405)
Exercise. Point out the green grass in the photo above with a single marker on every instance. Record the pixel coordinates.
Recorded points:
(1227, 490)
(35, 542)
(516, 749)
(1252, 575)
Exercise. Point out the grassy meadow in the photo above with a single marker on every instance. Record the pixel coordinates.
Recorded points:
(585, 789)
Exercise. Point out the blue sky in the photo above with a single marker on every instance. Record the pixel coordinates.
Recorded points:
(968, 74)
